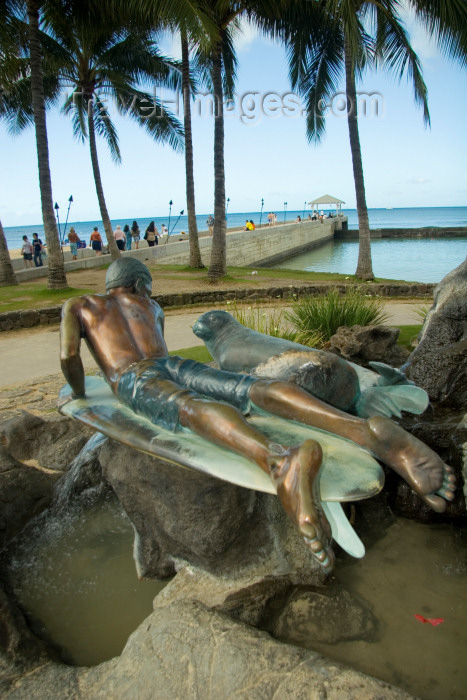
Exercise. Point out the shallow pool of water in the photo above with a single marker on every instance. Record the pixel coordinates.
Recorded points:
(77, 579)
(415, 569)
(411, 259)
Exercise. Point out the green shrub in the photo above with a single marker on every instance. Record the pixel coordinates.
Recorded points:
(269, 321)
(323, 315)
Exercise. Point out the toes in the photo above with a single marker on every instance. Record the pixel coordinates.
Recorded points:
(435, 502)
(324, 557)
(446, 493)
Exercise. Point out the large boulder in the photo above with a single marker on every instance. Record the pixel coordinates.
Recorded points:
(181, 516)
(363, 344)
(185, 650)
(52, 442)
(25, 491)
(439, 362)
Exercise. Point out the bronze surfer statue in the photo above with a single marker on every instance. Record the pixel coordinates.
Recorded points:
(124, 330)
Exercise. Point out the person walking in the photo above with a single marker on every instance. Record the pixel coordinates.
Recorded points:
(73, 240)
(37, 249)
(120, 239)
(96, 241)
(27, 252)
(210, 224)
(128, 237)
(135, 234)
(152, 235)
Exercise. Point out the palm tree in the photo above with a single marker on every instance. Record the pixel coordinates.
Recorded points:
(56, 276)
(329, 37)
(195, 254)
(221, 58)
(102, 60)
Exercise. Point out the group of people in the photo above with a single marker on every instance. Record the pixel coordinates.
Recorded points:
(272, 219)
(32, 249)
(125, 237)
(249, 225)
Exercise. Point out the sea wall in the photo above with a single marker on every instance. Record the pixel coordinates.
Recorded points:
(14, 320)
(264, 246)
(427, 232)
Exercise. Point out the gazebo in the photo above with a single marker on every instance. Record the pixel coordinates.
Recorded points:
(327, 199)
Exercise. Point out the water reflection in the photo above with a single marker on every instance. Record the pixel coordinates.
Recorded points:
(411, 259)
(414, 569)
(76, 577)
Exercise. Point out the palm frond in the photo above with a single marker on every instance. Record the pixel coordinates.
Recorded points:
(446, 21)
(105, 128)
(159, 122)
(393, 50)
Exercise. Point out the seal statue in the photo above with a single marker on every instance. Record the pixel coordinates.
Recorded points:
(330, 378)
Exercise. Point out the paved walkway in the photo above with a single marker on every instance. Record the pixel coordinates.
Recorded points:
(31, 354)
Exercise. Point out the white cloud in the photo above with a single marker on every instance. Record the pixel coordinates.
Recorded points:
(418, 180)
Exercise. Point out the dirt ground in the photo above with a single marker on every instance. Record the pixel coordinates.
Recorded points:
(169, 282)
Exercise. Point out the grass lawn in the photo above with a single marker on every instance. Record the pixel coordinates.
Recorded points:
(36, 296)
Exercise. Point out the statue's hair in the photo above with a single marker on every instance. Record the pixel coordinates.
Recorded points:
(125, 272)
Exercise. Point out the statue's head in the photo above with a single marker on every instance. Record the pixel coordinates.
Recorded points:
(129, 272)
(210, 325)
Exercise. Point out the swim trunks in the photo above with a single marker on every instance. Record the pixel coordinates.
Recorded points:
(157, 388)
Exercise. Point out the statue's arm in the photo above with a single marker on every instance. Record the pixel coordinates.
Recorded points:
(70, 340)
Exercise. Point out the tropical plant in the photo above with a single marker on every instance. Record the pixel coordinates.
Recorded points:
(330, 38)
(223, 64)
(270, 321)
(23, 102)
(104, 60)
(195, 254)
(324, 314)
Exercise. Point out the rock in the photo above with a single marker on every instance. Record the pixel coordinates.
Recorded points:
(20, 650)
(326, 616)
(24, 493)
(182, 516)
(54, 442)
(184, 650)
(445, 431)
(362, 344)
(439, 363)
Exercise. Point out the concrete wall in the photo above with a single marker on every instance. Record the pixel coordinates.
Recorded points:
(428, 232)
(263, 246)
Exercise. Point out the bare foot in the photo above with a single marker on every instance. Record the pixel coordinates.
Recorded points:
(414, 461)
(295, 477)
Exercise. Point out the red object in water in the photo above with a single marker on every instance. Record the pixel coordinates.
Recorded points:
(435, 621)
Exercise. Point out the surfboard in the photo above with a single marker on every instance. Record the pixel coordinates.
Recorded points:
(348, 472)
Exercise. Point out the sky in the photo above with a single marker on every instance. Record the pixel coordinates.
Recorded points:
(267, 154)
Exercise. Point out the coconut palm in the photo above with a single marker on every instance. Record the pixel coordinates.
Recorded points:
(328, 38)
(218, 56)
(195, 254)
(105, 60)
(22, 101)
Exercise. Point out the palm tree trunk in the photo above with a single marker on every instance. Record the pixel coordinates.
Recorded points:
(56, 275)
(195, 254)
(7, 274)
(217, 267)
(113, 248)
(364, 267)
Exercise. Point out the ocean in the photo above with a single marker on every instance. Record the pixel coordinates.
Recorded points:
(415, 217)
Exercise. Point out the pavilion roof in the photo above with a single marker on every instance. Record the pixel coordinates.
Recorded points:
(326, 199)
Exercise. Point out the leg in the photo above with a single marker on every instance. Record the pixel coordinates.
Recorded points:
(292, 470)
(423, 470)
(147, 391)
